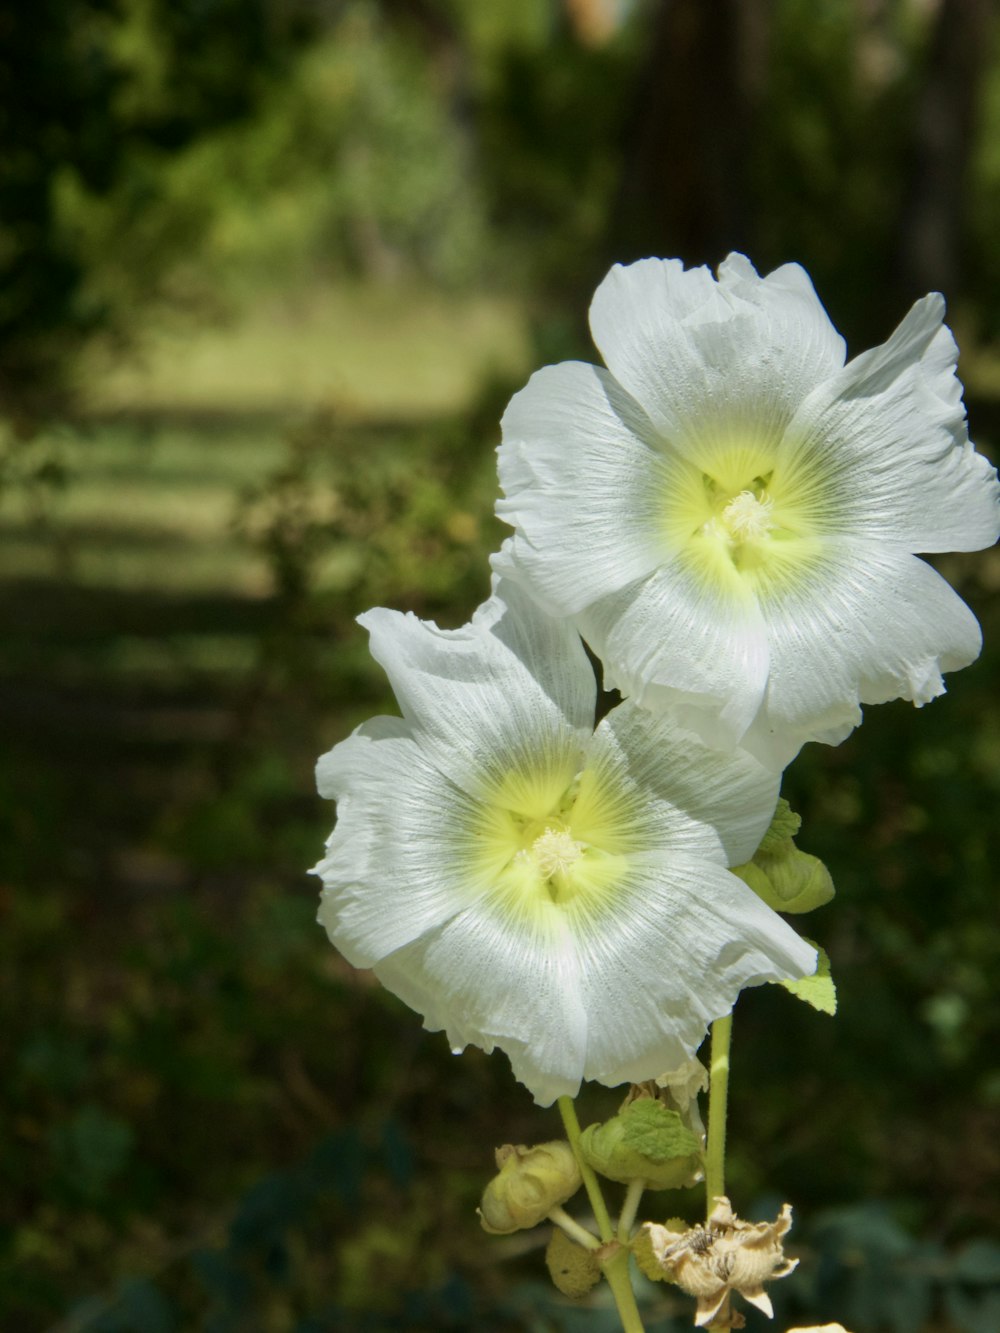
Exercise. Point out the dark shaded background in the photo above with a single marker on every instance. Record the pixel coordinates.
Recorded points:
(270, 271)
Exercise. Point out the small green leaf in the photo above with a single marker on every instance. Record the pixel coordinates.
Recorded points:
(819, 989)
(656, 1132)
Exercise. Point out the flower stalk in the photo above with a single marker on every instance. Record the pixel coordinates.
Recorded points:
(616, 1267)
(617, 1273)
(573, 1229)
(718, 1098)
(630, 1207)
(590, 1182)
(715, 1147)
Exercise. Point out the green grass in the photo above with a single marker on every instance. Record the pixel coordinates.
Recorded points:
(370, 352)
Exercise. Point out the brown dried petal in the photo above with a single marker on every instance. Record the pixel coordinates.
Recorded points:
(698, 1275)
(725, 1255)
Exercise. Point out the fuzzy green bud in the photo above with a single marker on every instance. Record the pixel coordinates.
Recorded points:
(531, 1182)
(573, 1269)
(785, 878)
(644, 1141)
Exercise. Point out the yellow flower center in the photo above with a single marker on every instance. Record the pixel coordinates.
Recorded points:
(742, 521)
(547, 841)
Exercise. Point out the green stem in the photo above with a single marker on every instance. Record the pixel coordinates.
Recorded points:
(574, 1230)
(715, 1149)
(590, 1182)
(617, 1274)
(718, 1096)
(614, 1268)
(629, 1209)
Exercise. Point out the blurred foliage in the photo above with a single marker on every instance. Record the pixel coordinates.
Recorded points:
(97, 94)
(210, 1121)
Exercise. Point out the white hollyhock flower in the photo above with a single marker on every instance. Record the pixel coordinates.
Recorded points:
(730, 513)
(526, 881)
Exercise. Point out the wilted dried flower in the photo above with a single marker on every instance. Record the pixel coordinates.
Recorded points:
(726, 1254)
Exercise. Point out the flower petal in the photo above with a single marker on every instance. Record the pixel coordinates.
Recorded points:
(712, 359)
(614, 996)
(396, 863)
(675, 640)
(868, 625)
(685, 797)
(490, 977)
(886, 438)
(684, 938)
(583, 486)
(511, 689)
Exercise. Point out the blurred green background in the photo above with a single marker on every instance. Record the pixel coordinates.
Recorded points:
(270, 271)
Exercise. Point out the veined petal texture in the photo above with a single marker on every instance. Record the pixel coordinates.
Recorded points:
(480, 697)
(709, 500)
(527, 882)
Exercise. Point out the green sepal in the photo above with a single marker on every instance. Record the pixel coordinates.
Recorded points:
(819, 989)
(644, 1141)
(785, 878)
(646, 1261)
(785, 823)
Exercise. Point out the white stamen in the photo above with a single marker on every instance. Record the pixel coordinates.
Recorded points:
(747, 517)
(555, 852)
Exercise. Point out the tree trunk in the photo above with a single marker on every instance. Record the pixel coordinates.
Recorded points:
(932, 225)
(684, 188)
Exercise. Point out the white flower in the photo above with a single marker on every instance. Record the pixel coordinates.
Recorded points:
(526, 881)
(730, 513)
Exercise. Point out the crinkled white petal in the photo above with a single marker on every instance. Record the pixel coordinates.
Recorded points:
(490, 977)
(583, 486)
(677, 641)
(870, 624)
(512, 683)
(683, 796)
(614, 996)
(687, 938)
(396, 862)
(709, 359)
(887, 440)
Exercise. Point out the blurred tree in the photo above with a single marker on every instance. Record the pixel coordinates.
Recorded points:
(90, 92)
(851, 135)
(685, 186)
(934, 223)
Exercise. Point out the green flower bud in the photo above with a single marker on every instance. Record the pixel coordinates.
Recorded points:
(785, 878)
(573, 1269)
(785, 824)
(645, 1141)
(531, 1182)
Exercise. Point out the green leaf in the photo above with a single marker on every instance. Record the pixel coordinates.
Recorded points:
(657, 1132)
(819, 989)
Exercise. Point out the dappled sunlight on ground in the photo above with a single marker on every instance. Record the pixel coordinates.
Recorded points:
(381, 351)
